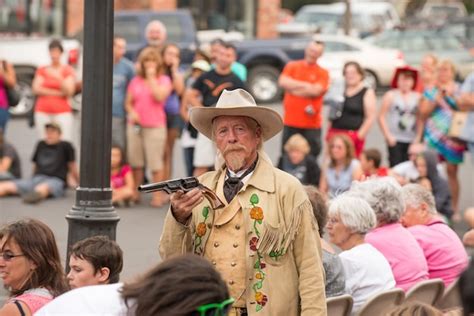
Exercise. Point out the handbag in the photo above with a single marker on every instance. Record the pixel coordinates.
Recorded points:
(462, 126)
(335, 109)
(13, 93)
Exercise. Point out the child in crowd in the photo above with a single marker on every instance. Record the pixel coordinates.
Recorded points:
(189, 133)
(94, 261)
(9, 160)
(298, 162)
(54, 163)
(121, 178)
(398, 117)
(370, 160)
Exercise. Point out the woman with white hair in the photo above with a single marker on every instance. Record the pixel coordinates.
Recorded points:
(366, 269)
(398, 246)
(444, 251)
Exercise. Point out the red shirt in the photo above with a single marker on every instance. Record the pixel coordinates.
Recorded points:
(49, 103)
(381, 172)
(294, 106)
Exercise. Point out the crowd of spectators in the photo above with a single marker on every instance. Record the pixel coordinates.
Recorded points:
(390, 223)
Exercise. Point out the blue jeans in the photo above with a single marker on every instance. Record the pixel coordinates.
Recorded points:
(4, 116)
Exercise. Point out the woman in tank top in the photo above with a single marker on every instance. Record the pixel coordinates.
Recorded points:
(398, 117)
(358, 111)
(30, 267)
(342, 169)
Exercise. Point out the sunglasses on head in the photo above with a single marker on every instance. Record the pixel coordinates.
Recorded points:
(216, 309)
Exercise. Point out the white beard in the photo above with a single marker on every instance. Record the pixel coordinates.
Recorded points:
(235, 160)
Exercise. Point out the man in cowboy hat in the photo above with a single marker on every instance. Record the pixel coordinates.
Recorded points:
(265, 240)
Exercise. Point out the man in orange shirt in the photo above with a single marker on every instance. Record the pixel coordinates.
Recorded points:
(305, 84)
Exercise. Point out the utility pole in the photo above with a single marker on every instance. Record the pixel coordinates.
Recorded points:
(347, 18)
(93, 212)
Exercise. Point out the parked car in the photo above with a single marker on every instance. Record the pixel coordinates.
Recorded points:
(416, 43)
(379, 64)
(27, 53)
(265, 60)
(443, 10)
(463, 29)
(367, 18)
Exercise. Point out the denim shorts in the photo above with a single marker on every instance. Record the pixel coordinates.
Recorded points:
(55, 185)
(174, 121)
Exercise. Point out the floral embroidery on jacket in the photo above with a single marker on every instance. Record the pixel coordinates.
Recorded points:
(256, 213)
(201, 230)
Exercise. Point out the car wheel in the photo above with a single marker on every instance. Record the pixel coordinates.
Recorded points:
(371, 79)
(27, 99)
(263, 84)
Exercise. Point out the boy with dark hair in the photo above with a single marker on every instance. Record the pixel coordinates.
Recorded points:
(370, 160)
(95, 260)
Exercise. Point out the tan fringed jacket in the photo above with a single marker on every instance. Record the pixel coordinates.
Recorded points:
(284, 273)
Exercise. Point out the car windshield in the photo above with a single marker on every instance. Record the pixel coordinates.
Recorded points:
(318, 18)
(129, 28)
(418, 41)
(444, 11)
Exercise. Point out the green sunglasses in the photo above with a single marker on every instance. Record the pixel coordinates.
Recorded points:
(215, 309)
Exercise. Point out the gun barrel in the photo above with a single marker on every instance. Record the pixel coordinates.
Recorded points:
(151, 187)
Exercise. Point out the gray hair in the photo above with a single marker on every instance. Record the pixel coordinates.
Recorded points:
(383, 195)
(355, 213)
(415, 194)
(155, 23)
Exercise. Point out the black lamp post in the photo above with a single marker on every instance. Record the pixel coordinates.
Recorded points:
(93, 213)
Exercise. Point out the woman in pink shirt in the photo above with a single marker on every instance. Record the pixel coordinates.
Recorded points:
(399, 247)
(444, 251)
(30, 267)
(146, 123)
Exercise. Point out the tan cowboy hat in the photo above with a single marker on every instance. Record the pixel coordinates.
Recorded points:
(236, 102)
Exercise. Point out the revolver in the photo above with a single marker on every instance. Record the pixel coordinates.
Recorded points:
(184, 184)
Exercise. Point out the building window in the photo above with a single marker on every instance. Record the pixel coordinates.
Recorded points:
(45, 17)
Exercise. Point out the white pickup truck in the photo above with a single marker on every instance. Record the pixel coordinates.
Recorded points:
(27, 53)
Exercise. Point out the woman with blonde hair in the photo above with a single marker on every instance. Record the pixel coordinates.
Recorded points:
(342, 169)
(437, 108)
(146, 126)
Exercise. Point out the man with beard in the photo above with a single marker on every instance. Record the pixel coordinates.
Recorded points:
(205, 93)
(155, 34)
(265, 240)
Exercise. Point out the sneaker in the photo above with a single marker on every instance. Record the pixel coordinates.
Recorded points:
(32, 198)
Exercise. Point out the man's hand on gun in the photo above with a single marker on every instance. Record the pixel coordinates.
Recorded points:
(182, 203)
(186, 194)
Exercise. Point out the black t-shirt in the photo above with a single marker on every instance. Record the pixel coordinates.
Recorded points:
(211, 84)
(52, 160)
(9, 151)
(307, 171)
(352, 113)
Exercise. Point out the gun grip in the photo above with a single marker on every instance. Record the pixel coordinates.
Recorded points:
(211, 197)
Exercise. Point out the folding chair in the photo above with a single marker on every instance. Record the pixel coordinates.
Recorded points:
(339, 305)
(429, 292)
(451, 297)
(382, 302)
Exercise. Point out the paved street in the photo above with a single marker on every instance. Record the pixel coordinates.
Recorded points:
(140, 227)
